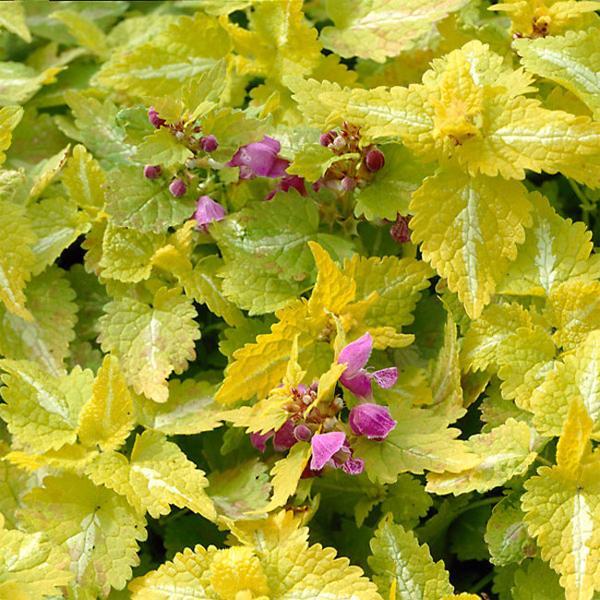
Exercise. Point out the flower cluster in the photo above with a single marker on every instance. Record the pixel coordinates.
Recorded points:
(207, 209)
(322, 425)
(356, 164)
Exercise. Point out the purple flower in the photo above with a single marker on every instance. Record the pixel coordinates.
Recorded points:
(287, 183)
(177, 188)
(302, 433)
(356, 378)
(259, 440)
(208, 211)
(324, 446)
(152, 171)
(154, 118)
(371, 420)
(284, 437)
(374, 160)
(209, 143)
(260, 158)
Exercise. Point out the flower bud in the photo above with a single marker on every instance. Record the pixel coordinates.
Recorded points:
(152, 171)
(326, 138)
(339, 143)
(348, 183)
(302, 433)
(209, 143)
(371, 420)
(177, 188)
(399, 230)
(154, 118)
(374, 160)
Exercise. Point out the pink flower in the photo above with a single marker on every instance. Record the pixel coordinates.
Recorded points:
(324, 446)
(353, 466)
(260, 158)
(356, 378)
(177, 188)
(208, 211)
(284, 438)
(371, 420)
(259, 440)
(209, 143)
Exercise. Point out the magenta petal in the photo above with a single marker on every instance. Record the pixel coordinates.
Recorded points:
(271, 143)
(278, 168)
(354, 466)
(356, 354)
(284, 438)
(359, 384)
(324, 446)
(207, 211)
(371, 420)
(259, 440)
(386, 378)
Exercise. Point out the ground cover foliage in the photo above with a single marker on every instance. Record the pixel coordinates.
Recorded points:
(300, 300)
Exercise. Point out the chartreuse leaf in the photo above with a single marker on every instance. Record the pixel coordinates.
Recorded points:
(390, 191)
(44, 340)
(106, 419)
(44, 173)
(57, 223)
(151, 340)
(504, 452)
(19, 82)
(161, 147)
(469, 229)
(574, 310)
(96, 527)
(420, 441)
(485, 335)
(398, 283)
(139, 203)
(205, 286)
(12, 17)
(572, 60)
(84, 30)
(575, 378)
(190, 409)
(286, 474)
(378, 29)
(127, 253)
(555, 250)
(96, 128)
(165, 63)
(16, 257)
(157, 474)
(31, 566)
(549, 17)
(402, 568)
(275, 561)
(42, 410)
(9, 119)
(562, 508)
(84, 180)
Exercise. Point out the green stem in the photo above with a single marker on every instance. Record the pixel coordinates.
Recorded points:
(544, 461)
(479, 503)
(482, 582)
(586, 206)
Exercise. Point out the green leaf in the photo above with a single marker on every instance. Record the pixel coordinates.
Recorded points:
(139, 203)
(162, 148)
(9, 119)
(506, 533)
(389, 193)
(12, 17)
(84, 180)
(535, 580)
(399, 562)
(151, 340)
(19, 83)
